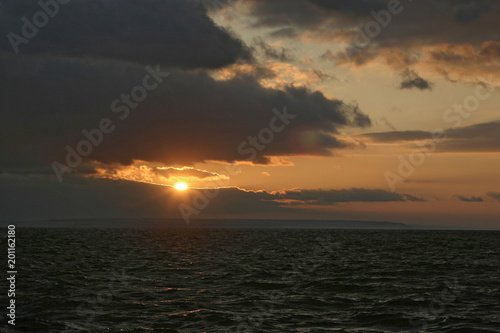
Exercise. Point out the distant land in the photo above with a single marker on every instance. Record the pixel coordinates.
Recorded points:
(224, 223)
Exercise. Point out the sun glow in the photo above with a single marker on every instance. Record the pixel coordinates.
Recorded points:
(181, 187)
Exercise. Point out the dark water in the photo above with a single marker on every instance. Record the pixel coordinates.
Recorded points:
(127, 280)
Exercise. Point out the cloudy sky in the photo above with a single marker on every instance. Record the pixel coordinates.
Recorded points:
(319, 109)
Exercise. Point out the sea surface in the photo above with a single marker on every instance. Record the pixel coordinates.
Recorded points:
(223, 280)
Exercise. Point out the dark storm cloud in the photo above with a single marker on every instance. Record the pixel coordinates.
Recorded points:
(470, 199)
(469, 10)
(117, 199)
(80, 197)
(484, 137)
(189, 118)
(172, 33)
(237, 201)
(328, 197)
(412, 80)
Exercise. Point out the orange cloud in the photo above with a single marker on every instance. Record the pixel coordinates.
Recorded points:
(159, 174)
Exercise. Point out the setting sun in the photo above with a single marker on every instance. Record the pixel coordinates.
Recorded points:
(181, 186)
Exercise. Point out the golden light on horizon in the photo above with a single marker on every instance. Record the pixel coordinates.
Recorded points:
(181, 187)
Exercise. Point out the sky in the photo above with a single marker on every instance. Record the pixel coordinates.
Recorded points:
(283, 109)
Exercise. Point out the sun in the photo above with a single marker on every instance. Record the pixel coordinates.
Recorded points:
(181, 187)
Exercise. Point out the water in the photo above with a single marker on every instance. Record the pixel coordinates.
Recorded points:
(136, 280)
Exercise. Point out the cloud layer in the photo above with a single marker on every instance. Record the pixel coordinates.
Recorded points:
(189, 118)
(442, 37)
(119, 198)
(484, 137)
(171, 33)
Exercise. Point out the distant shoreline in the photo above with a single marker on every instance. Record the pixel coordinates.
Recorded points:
(169, 223)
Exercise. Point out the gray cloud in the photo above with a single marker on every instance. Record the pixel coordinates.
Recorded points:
(428, 22)
(117, 199)
(322, 76)
(284, 33)
(283, 54)
(483, 137)
(307, 14)
(470, 10)
(417, 34)
(328, 197)
(494, 195)
(470, 199)
(215, 5)
(393, 136)
(358, 7)
(172, 33)
(412, 80)
(387, 123)
(189, 118)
